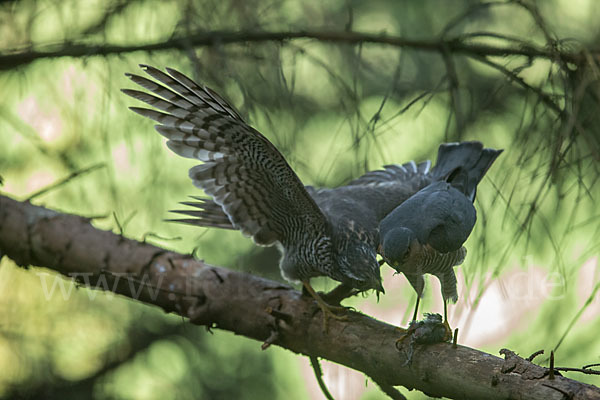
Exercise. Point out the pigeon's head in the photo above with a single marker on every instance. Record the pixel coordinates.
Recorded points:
(395, 246)
(358, 267)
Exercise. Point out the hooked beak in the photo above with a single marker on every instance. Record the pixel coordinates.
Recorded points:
(379, 290)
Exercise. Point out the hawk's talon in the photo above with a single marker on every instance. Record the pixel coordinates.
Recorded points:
(328, 310)
(448, 334)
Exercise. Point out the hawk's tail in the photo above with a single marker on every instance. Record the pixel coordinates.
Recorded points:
(463, 165)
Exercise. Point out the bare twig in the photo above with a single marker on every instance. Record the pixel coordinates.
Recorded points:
(270, 340)
(454, 85)
(159, 237)
(578, 315)
(583, 370)
(65, 180)
(456, 21)
(534, 355)
(516, 78)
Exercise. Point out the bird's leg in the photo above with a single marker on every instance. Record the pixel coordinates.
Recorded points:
(448, 335)
(327, 309)
(414, 318)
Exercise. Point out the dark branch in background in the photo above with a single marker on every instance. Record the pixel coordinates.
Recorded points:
(314, 361)
(57, 387)
(18, 57)
(391, 391)
(516, 78)
(255, 307)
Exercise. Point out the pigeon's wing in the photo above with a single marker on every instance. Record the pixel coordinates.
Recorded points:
(376, 193)
(242, 171)
(393, 174)
(446, 217)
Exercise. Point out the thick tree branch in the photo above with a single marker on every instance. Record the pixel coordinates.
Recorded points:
(254, 307)
(461, 45)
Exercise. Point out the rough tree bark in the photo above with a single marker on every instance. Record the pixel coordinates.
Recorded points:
(267, 311)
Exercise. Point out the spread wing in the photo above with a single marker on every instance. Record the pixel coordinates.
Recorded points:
(380, 191)
(242, 171)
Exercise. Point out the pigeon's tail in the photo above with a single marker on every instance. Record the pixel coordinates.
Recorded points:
(463, 165)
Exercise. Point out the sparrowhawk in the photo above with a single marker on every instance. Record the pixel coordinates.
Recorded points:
(253, 189)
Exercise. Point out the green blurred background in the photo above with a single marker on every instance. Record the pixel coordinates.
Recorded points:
(334, 111)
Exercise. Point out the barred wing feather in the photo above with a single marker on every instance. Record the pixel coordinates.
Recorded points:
(244, 173)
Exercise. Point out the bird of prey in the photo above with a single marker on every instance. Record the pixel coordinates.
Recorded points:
(253, 189)
(425, 234)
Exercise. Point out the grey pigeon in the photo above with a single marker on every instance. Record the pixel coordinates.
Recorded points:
(425, 234)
